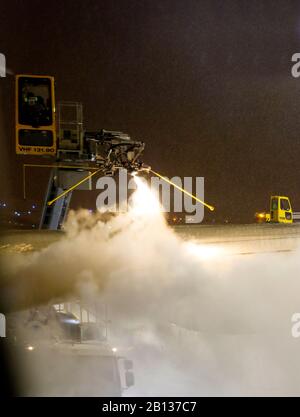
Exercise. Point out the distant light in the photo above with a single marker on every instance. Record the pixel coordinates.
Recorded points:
(4, 204)
(33, 206)
(31, 348)
(71, 321)
(114, 349)
(29, 212)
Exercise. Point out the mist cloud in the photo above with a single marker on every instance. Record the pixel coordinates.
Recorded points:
(194, 323)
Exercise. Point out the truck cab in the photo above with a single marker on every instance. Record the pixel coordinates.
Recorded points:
(280, 210)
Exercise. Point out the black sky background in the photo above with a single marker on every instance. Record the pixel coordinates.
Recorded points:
(206, 84)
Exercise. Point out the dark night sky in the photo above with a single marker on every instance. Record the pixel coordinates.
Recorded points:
(206, 84)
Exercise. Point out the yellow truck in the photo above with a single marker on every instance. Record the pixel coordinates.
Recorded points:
(280, 211)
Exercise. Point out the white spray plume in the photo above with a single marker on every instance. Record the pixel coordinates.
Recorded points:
(195, 321)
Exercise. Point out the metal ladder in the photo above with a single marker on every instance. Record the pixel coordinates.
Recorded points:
(53, 216)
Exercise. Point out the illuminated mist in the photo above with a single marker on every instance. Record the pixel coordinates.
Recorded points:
(194, 320)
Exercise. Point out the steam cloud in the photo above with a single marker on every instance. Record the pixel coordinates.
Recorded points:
(194, 324)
